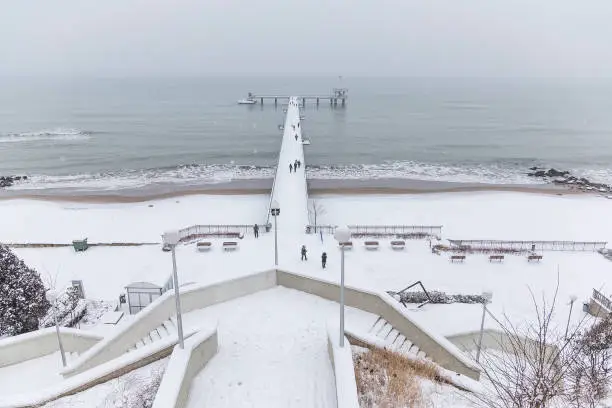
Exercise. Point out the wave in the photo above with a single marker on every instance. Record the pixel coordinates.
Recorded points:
(199, 174)
(61, 135)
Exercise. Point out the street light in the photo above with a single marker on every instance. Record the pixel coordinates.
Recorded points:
(52, 296)
(487, 299)
(275, 211)
(171, 238)
(572, 300)
(342, 235)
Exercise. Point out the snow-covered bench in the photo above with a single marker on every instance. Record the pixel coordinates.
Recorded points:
(458, 258)
(534, 258)
(371, 245)
(347, 245)
(230, 245)
(496, 258)
(398, 244)
(204, 246)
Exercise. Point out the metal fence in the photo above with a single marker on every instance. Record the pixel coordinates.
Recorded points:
(476, 244)
(196, 231)
(381, 230)
(602, 299)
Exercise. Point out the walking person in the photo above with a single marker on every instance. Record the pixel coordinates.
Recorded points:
(304, 252)
(256, 230)
(324, 259)
(295, 165)
(299, 164)
(290, 168)
(296, 137)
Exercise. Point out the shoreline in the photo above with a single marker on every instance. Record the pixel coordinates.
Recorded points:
(263, 186)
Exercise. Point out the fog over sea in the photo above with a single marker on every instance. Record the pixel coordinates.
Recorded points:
(113, 134)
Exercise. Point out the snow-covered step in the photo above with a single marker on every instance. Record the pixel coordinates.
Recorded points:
(155, 335)
(392, 336)
(378, 325)
(384, 332)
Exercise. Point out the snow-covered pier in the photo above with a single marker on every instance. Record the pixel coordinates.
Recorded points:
(289, 189)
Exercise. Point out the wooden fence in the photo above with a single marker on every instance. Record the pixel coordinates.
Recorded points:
(602, 299)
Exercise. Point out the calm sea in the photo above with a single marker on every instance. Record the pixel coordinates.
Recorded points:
(116, 133)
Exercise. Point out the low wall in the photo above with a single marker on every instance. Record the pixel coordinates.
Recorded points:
(344, 371)
(192, 298)
(438, 348)
(36, 344)
(495, 340)
(183, 366)
(97, 375)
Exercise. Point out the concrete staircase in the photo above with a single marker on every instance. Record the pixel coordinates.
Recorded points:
(166, 329)
(394, 340)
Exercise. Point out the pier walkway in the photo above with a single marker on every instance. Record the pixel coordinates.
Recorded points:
(289, 188)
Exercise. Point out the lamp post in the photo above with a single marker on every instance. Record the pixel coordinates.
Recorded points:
(171, 239)
(275, 211)
(342, 235)
(487, 299)
(52, 296)
(569, 316)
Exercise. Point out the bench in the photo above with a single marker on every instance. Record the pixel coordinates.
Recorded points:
(458, 258)
(347, 245)
(398, 244)
(371, 245)
(535, 258)
(496, 258)
(230, 245)
(204, 246)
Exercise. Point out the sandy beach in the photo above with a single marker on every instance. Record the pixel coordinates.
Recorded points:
(159, 191)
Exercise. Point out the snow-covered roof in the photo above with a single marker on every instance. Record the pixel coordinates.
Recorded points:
(142, 285)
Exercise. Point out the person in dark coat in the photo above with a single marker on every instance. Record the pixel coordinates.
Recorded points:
(290, 168)
(304, 252)
(296, 137)
(256, 230)
(324, 259)
(295, 165)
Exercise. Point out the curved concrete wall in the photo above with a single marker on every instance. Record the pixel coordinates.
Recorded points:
(344, 370)
(151, 317)
(438, 348)
(36, 344)
(183, 366)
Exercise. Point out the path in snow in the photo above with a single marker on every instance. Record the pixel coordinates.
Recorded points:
(290, 188)
(272, 352)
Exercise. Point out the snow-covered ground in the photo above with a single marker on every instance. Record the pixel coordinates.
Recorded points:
(272, 351)
(105, 271)
(125, 391)
(31, 374)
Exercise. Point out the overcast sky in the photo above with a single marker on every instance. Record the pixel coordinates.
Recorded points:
(488, 38)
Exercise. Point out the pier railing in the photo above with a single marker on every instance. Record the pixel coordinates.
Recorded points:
(479, 244)
(602, 299)
(200, 231)
(408, 231)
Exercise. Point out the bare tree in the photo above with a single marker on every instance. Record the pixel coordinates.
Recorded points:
(589, 378)
(315, 210)
(532, 363)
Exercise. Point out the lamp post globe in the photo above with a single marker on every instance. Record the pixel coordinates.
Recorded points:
(171, 237)
(51, 296)
(342, 235)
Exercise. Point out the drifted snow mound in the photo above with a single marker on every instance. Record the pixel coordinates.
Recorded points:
(436, 297)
